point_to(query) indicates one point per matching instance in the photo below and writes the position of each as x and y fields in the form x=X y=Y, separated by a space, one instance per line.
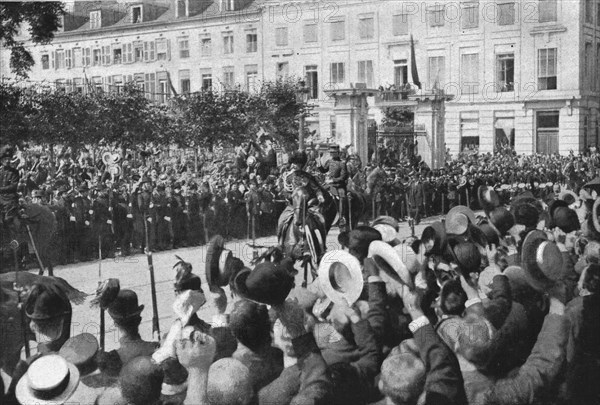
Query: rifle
x=155 y=324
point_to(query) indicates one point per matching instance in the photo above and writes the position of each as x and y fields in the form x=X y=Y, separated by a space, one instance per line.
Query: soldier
x=235 y=200
x=123 y=219
x=102 y=224
x=80 y=215
x=9 y=199
x=60 y=207
x=161 y=217
x=337 y=175
x=192 y=202
x=252 y=199
x=219 y=207
x=179 y=219
x=206 y=215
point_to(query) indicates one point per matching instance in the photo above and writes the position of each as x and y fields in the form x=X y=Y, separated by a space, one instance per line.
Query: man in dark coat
x=9 y=199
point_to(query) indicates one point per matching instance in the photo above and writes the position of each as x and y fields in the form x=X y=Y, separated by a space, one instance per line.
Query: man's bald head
x=402 y=378
x=229 y=383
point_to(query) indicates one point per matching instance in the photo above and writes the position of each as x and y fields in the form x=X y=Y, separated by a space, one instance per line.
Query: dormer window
x=228 y=5
x=95 y=19
x=182 y=8
x=136 y=14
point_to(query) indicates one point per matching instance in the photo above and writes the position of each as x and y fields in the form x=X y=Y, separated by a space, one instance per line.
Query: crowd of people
x=115 y=197
x=501 y=308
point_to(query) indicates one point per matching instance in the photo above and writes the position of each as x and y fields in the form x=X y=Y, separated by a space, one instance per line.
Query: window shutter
x=54 y=61
x=168 y=49
x=68 y=58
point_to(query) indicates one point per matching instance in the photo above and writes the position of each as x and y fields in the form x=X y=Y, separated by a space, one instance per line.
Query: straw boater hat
x=49 y=380
x=541 y=260
x=340 y=276
x=388 y=260
x=387 y=227
x=458 y=219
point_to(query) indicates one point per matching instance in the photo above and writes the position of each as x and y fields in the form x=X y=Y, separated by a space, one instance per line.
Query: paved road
x=133 y=274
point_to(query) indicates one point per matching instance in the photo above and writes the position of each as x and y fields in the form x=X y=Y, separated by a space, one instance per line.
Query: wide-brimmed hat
x=269 y=283
x=220 y=263
x=125 y=306
x=340 y=276
x=49 y=380
x=387 y=227
x=554 y=205
x=458 y=219
x=596 y=215
x=488 y=198
x=81 y=351
x=541 y=260
x=501 y=220
x=526 y=214
x=388 y=260
x=466 y=256
x=437 y=232
x=46 y=302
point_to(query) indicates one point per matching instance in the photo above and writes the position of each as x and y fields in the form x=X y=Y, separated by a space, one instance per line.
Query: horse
x=42 y=224
x=302 y=229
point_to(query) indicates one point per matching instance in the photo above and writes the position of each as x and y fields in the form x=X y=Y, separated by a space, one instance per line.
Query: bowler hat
x=221 y=265
x=554 y=205
x=466 y=255
x=340 y=276
x=541 y=260
x=488 y=199
x=125 y=306
x=46 y=302
x=569 y=196
x=526 y=214
x=81 y=351
x=269 y=283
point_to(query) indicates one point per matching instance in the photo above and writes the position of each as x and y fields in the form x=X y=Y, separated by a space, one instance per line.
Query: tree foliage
x=126 y=118
x=42 y=19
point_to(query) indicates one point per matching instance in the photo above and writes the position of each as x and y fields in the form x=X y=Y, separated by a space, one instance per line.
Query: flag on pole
x=413 y=64
x=171 y=84
x=87 y=82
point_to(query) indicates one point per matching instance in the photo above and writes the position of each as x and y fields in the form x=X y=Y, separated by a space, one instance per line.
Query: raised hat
x=221 y=265
x=360 y=238
x=596 y=215
x=81 y=351
x=269 y=283
x=541 y=260
x=488 y=199
x=456 y=222
x=49 y=380
x=340 y=277
x=569 y=196
x=437 y=233
x=501 y=220
x=46 y=302
x=388 y=260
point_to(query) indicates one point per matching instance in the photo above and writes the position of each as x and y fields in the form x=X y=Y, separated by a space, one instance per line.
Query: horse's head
x=300 y=203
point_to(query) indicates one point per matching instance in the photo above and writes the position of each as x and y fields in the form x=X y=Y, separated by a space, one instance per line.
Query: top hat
x=81 y=351
x=541 y=260
x=46 y=302
x=49 y=380
x=125 y=306
x=269 y=283
x=466 y=255
x=388 y=260
x=340 y=276
x=488 y=199
x=221 y=265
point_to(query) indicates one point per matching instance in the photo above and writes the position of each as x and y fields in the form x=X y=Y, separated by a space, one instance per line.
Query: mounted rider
x=337 y=176
x=297 y=177
x=9 y=197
